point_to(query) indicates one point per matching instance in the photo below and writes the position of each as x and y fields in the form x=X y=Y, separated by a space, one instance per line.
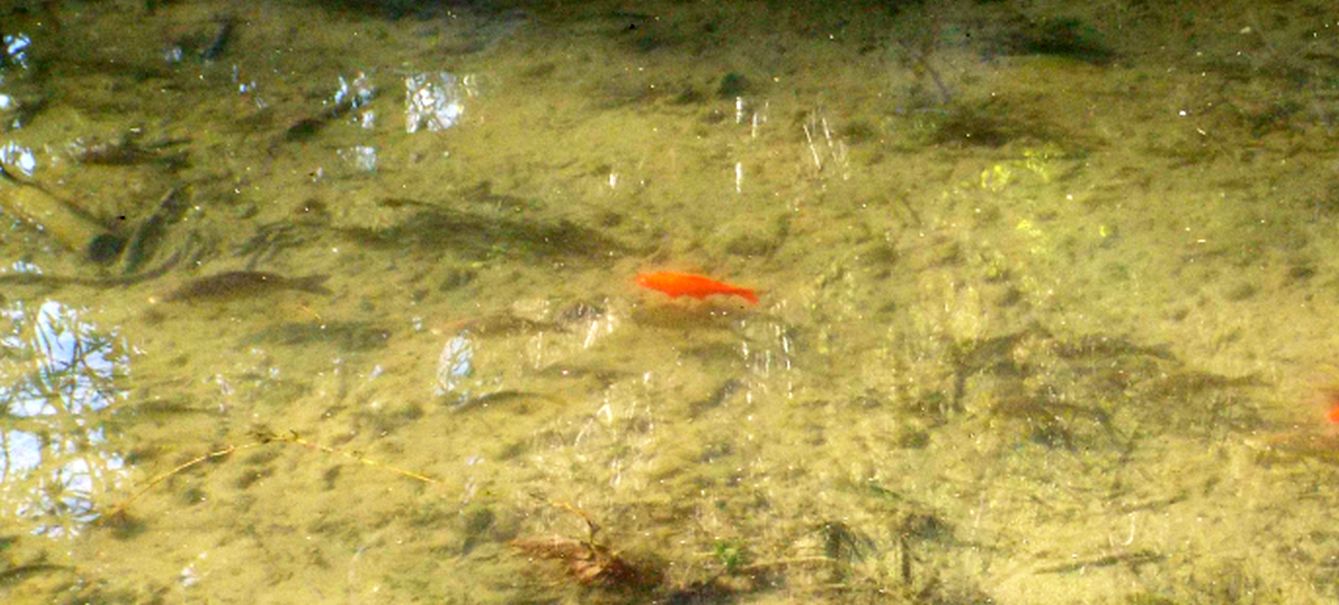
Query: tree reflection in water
x=58 y=377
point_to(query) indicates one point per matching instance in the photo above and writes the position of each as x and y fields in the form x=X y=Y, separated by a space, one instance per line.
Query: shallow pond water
x=335 y=302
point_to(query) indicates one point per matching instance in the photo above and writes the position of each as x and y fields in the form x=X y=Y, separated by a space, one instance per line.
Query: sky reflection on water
x=58 y=377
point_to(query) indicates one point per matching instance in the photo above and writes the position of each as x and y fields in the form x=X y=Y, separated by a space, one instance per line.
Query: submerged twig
x=293 y=438
x=761 y=565
x=263 y=438
x=119 y=509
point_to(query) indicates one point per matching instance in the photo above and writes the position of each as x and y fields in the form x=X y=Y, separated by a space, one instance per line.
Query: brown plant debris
x=589 y=563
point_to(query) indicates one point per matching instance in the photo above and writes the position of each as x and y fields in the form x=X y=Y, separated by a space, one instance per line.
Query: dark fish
x=127 y=151
x=147 y=235
x=234 y=284
x=220 y=42
x=307 y=127
x=464 y=402
x=346 y=335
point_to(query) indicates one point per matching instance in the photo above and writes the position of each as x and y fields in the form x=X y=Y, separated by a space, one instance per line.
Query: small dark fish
x=717 y=397
x=346 y=335
x=127 y=150
x=222 y=36
x=306 y=128
x=234 y=284
x=147 y=235
x=18 y=573
x=465 y=402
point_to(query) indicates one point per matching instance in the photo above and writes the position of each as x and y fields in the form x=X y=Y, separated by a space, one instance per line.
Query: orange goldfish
x=688 y=284
x=1330 y=396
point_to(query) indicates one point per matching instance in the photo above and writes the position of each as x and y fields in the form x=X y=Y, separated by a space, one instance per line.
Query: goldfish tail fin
x=748 y=295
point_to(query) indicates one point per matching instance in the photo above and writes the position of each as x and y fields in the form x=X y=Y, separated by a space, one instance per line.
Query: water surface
x=1047 y=300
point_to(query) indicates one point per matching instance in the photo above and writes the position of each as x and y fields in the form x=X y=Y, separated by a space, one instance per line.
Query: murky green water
x=1047 y=302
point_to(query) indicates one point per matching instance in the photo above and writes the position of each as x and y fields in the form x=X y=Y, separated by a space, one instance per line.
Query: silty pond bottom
x=314 y=301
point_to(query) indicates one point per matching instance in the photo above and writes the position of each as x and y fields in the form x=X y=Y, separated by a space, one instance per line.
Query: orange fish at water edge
x=1330 y=397
x=688 y=284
